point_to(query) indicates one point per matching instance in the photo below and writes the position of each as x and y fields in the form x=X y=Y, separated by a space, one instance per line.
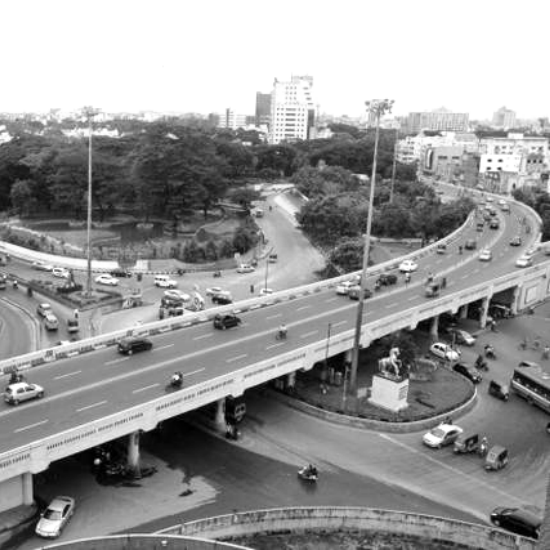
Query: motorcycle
x=490 y=352
x=176 y=381
x=308 y=474
x=15 y=378
x=481 y=364
x=280 y=335
x=377 y=285
x=217 y=273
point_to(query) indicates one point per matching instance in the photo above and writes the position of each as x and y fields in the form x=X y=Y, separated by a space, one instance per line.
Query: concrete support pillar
x=26 y=483
x=434 y=328
x=514 y=306
x=463 y=312
x=219 y=420
x=133 y=451
x=483 y=313
x=290 y=380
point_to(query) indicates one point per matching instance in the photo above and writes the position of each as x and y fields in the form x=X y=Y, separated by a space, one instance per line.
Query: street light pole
x=394 y=165
x=89 y=112
x=266 y=271
x=378 y=107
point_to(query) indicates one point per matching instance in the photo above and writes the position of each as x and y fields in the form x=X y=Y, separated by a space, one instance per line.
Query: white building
x=233 y=120
x=292 y=110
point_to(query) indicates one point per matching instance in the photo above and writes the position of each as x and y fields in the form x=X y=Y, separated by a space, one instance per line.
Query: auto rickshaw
x=496 y=458
x=466 y=443
x=498 y=390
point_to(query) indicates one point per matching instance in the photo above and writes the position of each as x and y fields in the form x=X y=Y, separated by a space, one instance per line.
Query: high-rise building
x=263 y=109
x=231 y=119
x=441 y=120
x=504 y=118
x=292 y=110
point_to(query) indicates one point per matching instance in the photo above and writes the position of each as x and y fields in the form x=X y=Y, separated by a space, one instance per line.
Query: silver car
x=55 y=517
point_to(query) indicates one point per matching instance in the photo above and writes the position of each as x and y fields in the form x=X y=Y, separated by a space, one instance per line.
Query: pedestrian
x=493 y=325
x=76 y=314
x=407 y=278
x=546 y=352
x=251 y=289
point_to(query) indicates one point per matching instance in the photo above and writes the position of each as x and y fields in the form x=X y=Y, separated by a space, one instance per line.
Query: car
x=355 y=291
x=524 y=261
x=54 y=518
x=387 y=279
x=41 y=266
x=494 y=224
x=502 y=202
x=106 y=279
x=61 y=272
x=408 y=266
x=245 y=268
x=442 y=435
x=164 y=281
x=470 y=244
x=343 y=287
x=43 y=309
x=515 y=241
x=522 y=521
x=469 y=372
x=505 y=207
x=489 y=199
x=176 y=295
x=211 y=291
x=120 y=273
x=22 y=391
x=50 y=321
x=222 y=299
x=266 y=291
x=72 y=326
x=485 y=255
x=134 y=344
x=461 y=336
x=445 y=351
x=227 y=320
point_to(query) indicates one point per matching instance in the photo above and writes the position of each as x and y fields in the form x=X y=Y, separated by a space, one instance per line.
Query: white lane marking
x=115 y=361
x=274 y=316
x=196 y=371
x=302 y=308
x=333 y=299
x=393 y=304
x=236 y=358
x=67 y=375
x=411 y=298
x=202 y=336
x=307 y=334
x=145 y=388
x=98 y=404
x=275 y=345
x=163 y=347
x=30 y=426
x=344 y=322
x=441 y=464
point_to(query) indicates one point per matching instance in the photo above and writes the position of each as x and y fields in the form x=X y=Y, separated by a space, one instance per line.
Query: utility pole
x=394 y=164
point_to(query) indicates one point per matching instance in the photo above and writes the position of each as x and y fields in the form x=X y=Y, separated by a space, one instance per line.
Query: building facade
x=263 y=109
x=438 y=120
x=504 y=118
x=292 y=110
x=232 y=120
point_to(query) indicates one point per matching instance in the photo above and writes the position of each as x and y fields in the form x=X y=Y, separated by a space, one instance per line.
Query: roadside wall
x=451 y=533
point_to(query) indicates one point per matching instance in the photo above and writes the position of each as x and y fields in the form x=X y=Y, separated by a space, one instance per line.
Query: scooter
x=176 y=381
x=307 y=475
x=490 y=352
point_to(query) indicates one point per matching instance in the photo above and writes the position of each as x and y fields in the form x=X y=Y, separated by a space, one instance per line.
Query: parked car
x=43 y=309
x=470 y=244
x=121 y=273
x=55 y=517
x=515 y=241
x=469 y=372
x=41 y=266
x=442 y=435
x=164 y=281
x=518 y=520
x=485 y=255
x=61 y=272
x=106 y=279
x=445 y=351
x=408 y=266
x=134 y=344
x=22 y=391
x=524 y=261
x=461 y=336
x=245 y=268
x=227 y=320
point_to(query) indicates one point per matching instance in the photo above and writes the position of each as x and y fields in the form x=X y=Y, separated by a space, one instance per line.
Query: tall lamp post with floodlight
x=89 y=113
x=378 y=108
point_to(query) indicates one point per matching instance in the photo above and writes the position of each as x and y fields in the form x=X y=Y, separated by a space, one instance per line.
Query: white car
x=210 y=291
x=485 y=255
x=177 y=295
x=43 y=309
x=489 y=199
x=61 y=272
x=22 y=391
x=442 y=435
x=245 y=268
x=164 y=281
x=408 y=266
x=42 y=266
x=343 y=288
x=445 y=351
x=106 y=279
x=55 y=517
x=524 y=261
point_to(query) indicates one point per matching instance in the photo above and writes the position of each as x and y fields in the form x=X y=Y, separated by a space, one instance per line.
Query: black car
x=494 y=224
x=131 y=345
x=221 y=299
x=386 y=279
x=120 y=273
x=517 y=520
x=469 y=372
x=470 y=244
x=226 y=320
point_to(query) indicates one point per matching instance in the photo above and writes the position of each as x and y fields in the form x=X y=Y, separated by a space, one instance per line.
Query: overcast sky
x=205 y=55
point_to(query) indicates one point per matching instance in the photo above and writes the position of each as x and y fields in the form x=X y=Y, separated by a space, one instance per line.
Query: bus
x=532 y=382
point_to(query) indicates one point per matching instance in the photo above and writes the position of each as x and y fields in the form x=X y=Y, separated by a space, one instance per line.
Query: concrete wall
x=401 y=524
x=11 y=493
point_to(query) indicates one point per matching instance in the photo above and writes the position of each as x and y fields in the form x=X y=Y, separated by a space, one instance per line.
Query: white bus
x=532 y=382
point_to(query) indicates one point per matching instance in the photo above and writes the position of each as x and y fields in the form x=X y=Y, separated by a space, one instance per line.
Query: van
x=164 y=281
x=51 y=322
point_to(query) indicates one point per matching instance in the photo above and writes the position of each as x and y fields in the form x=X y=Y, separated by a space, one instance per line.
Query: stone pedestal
x=389 y=394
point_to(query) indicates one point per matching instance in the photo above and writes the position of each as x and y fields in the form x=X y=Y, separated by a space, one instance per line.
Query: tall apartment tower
x=263 y=109
x=504 y=118
x=292 y=110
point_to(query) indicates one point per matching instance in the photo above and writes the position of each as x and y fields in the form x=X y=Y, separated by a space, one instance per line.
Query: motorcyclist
x=282 y=331
x=460 y=249
x=311 y=470
x=177 y=379
x=484 y=446
x=16 y=377
x=489 y=350
x=377 y=284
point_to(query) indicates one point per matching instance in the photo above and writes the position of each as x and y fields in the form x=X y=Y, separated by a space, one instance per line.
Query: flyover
x=94 y=396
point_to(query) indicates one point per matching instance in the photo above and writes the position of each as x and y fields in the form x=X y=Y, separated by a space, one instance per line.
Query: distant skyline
x=182 y=56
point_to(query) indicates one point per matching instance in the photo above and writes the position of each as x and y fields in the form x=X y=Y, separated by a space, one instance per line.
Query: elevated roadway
x=98 y=396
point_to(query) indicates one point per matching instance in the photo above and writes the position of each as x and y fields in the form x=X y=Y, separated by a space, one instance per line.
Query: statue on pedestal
x=392 y=367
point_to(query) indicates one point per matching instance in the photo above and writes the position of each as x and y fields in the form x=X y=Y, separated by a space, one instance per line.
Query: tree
x=276 y=157
x=244 y=196
x=21 y=197
x=348 y=255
